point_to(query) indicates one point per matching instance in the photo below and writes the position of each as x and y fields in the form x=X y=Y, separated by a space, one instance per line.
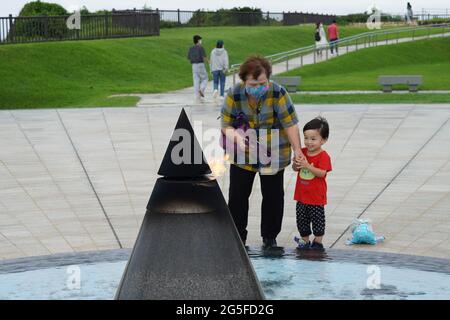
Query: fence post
x=46 y=28
x=107 y=24
x=301 y=60
x=179 y=19
x=11 y=31
x=234 y=78
x=268 y=18
x=314 y=55
x=387 y=41
x=398 y=36
x=287 y=63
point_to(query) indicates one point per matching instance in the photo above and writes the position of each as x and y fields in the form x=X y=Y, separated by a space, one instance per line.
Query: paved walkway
x=79 y=179
x=186 y=96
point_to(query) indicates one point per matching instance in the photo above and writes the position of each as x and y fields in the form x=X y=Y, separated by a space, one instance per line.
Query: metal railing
x=359 y=41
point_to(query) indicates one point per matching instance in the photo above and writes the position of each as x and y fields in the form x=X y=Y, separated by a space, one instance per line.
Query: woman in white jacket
x=219 y=65
x=321 y=38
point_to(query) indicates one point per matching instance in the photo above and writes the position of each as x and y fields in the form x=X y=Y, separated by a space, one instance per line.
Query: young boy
x=311 y=187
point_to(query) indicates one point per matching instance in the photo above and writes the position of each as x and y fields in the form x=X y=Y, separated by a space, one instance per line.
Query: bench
x=290 y=83
x=388 y=81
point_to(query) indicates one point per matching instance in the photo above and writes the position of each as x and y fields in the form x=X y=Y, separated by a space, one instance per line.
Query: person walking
x=219 y=64
x=198 y=58
x=409 y=13
x=321 y=39
x=333 y=36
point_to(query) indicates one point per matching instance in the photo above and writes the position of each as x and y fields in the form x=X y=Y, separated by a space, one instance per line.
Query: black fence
x=52 y=28
x=180 y=18
x=133 y=23
x=293 y=18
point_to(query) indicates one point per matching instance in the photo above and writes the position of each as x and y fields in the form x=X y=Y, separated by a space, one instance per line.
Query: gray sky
x=319 y=6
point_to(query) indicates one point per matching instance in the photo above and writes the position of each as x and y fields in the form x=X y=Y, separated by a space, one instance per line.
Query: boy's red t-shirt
x=310 y=189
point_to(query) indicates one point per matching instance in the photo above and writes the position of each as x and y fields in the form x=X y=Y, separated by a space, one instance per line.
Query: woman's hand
x=295 y=165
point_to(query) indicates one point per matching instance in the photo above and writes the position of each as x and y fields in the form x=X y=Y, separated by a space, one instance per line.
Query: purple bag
x=241 y=122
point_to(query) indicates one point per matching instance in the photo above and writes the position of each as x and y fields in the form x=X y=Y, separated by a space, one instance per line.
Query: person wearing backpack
x=321 y=39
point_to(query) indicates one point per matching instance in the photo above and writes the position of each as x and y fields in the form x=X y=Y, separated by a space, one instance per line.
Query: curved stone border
x=63 y=259
x=421 y=263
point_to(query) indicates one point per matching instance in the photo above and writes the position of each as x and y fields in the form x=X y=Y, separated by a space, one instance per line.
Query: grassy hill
x=85 y=73
x=360 y=70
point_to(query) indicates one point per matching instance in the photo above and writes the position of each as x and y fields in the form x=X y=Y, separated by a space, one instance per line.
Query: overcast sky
x=319 y=6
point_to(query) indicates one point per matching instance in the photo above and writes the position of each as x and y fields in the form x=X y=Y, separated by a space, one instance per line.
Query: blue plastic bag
x=362 y=233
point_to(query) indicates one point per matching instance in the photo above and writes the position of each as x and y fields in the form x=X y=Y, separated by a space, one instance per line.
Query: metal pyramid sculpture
x=188 y=155
x=188 y=246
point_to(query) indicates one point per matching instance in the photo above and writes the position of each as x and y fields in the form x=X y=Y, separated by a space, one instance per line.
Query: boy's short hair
x=196 y=38
x=320 y=124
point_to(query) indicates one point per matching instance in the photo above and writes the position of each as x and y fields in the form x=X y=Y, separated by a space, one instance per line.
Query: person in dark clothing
x=197 y=57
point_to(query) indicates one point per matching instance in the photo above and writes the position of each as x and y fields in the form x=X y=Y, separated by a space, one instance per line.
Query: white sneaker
x=215 y=94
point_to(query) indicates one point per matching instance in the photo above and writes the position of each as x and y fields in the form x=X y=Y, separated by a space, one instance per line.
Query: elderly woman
x=259 y=124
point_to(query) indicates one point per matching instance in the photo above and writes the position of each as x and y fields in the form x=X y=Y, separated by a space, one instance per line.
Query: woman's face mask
x=257 y=92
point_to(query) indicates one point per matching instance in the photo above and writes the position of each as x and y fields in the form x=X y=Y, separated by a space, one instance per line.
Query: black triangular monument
x=188 y=246
x=190 y=161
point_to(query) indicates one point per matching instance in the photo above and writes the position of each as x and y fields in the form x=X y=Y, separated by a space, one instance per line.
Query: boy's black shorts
x=308 y=215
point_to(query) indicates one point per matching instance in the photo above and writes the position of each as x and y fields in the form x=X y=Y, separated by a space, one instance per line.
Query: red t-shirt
x=333 y=32
x=310 y=189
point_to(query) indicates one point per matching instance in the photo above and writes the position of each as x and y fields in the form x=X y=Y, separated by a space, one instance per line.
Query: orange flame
x=218 y=166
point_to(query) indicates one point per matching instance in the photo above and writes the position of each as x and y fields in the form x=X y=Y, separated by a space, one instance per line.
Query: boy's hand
x=303 y=163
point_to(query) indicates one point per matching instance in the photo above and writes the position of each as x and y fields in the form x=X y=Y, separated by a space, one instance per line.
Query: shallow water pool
x=283 y=274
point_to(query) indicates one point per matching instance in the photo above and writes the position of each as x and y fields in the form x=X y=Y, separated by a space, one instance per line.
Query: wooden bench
x=290 y=83
x=388 y=81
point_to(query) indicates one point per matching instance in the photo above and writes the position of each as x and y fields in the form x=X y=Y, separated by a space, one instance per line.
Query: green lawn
x=85 y=73
x=360 y=70
x=370 y=98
